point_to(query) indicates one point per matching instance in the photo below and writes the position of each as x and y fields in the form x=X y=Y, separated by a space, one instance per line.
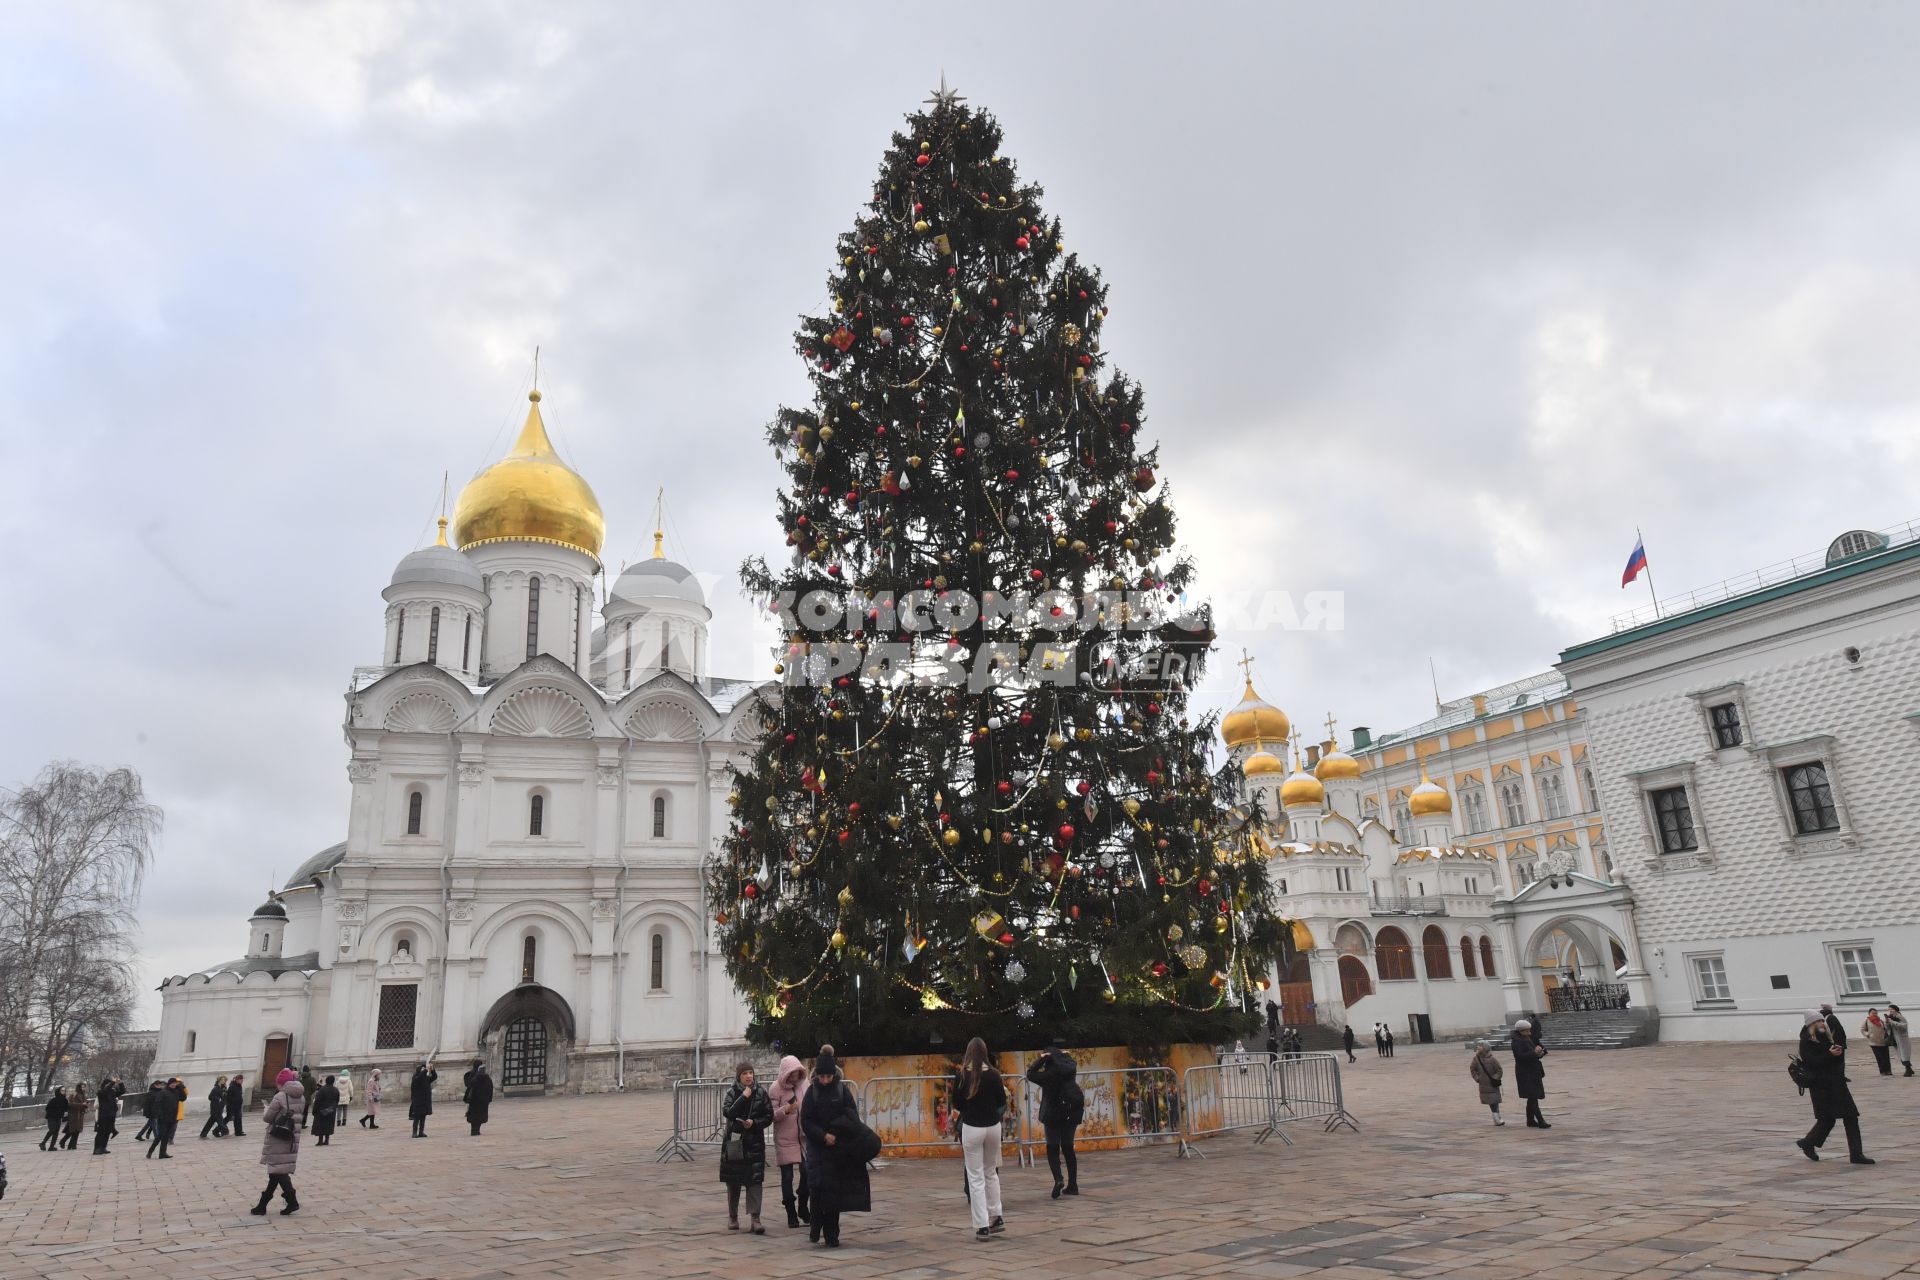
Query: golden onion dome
x=1301 y=787
x=530 y=496
x=1262 y=763
x=1254 y=720
x=1336 y=765
x=1302 y=936
x=1428 y=799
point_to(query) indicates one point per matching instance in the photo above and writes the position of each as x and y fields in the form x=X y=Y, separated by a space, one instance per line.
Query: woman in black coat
x=325 y=1109
x=1529 y=1073
x=421 y=1091
x=479 y=1097
x=56 y=1116
x=1824 y=1062
x=836 y=1179
x=749 y=1115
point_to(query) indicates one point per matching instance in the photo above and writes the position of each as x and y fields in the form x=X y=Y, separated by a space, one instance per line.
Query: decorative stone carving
x=421 y=713
x=461 y=912
x=663 y=721
x=472 y=771
x=609 y=775
x=603 y=907
x=543 y=712
x=1830 y=844
x=1556 y=864
x=353 y=910
x=360 y=770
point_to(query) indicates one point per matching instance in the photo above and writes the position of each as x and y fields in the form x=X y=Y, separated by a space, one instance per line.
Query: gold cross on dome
x=1331 y=736
x=1246 y=665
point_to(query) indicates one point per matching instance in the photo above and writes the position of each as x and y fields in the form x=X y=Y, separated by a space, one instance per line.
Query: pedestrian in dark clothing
x=280 y=1148
x=788 y=1092
x=216 y=1110
x=836 y=1165
x=1529 y=1073
x=311 y=1086
x=980 y=1100
x=1834 y=1029
x=1062 y=1106
x=112 y=1085
x=236 y=1105
x=1823 y=1062
x=150 y=1107
x=325 y=1110
x=1346 y=1038
x=420 y=1105
x=172 y=1104
x=76 y=1118
x=748 y=1112
x=1379 y=1040
x=56 y=1116
x=103 y=1123
x=479 y=1097
x=1389 y=1032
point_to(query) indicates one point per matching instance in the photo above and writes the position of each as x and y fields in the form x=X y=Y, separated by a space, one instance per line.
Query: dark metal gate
x=525 y=1053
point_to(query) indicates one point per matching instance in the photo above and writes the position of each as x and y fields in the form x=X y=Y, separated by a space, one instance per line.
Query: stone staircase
x=1600 y=1029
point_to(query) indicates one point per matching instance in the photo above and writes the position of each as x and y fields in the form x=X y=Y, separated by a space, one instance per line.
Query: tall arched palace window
x=1393 y=955
x=1466 y=959
x=1437 y=956
x=433 y=635
x=657 y=962
x=416 y=800
x=1486 y=956
x=537 y=815
x=529 y=953
x=659 y=817
x=533 y=615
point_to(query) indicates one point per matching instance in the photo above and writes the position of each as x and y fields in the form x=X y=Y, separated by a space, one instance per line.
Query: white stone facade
x=1759 y=919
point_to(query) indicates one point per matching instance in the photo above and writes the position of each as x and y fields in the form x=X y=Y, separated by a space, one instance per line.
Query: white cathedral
x=534 y=793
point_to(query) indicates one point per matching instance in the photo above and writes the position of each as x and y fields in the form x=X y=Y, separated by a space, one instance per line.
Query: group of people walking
x=164 y=1105
x=823 y=1147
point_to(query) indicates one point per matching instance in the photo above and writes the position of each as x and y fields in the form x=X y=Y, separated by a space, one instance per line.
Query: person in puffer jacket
x=789 y=1090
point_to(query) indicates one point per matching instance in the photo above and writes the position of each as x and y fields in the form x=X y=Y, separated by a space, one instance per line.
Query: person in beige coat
x=280 y=1149
x=1875 y=1030
x=1902 y=1040
x=1488 y=1074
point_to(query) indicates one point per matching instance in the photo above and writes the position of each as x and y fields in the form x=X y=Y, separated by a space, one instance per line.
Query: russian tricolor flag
x=1635 y=563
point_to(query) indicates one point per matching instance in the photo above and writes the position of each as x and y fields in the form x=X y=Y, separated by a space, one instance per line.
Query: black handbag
x=734 y=1149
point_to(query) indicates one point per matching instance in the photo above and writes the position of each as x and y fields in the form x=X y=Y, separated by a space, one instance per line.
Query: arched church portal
x=1575 y=962
x=527 y=1037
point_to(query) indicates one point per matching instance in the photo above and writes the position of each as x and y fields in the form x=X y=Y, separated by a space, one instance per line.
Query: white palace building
x=533 y=792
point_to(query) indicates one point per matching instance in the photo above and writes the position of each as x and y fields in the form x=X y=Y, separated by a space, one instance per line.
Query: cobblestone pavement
x=1664 y=1161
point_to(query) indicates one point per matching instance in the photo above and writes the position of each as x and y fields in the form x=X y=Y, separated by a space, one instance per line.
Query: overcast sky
x=1432 y=304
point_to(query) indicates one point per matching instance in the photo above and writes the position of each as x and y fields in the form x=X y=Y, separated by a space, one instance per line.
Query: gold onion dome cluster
x=530 y=496
x=1253 y=721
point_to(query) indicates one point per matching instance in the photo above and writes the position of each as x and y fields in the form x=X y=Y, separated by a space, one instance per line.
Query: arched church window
x=433 y=635
x=659 y=817
x=1437 y=956
x=399 y=631
x=1466 y=958
x=533 y=615
x=528 y=954
x=579 y=608
x=626 y=662
x=1486 y=956
x=657 y=962
x=466 y=647
x=1393 y=955
x=416 y=800
x=536 y=814
x=403 y=950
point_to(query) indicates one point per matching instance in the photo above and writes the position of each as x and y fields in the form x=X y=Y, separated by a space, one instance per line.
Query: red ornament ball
x=923 y=160
x=752 y=890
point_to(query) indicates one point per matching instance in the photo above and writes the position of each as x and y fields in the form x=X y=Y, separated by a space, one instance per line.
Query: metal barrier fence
x=1307 y=1086
x=1122 y=1103
x=1229 y=1097
x=1244 y=1091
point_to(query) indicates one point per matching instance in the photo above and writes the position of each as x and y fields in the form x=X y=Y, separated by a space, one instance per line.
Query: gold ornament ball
x=921 y=225
x=838 y=940
x=950 y=837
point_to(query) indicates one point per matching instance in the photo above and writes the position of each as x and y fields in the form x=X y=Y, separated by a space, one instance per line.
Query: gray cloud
x=1432 y=307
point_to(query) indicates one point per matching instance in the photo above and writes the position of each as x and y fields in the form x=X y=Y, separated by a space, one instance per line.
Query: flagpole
x=1646 y=569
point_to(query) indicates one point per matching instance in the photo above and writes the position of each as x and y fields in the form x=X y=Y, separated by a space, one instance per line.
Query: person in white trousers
x=979 y=1107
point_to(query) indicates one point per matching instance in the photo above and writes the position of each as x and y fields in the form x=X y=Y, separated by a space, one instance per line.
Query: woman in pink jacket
x=788 y=1090
x=371 y=1120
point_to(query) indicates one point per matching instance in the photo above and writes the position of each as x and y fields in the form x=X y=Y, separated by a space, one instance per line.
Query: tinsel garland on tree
x=1006 y=824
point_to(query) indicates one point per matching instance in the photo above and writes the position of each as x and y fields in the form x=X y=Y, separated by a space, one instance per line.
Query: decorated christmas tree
x=979 y=805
